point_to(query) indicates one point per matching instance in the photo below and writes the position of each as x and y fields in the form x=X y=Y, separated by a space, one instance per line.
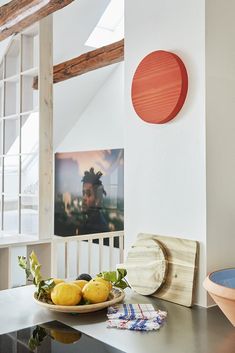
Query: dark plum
x=84 y=276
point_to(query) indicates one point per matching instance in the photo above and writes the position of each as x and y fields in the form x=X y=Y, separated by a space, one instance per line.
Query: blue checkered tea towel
x=137 y=317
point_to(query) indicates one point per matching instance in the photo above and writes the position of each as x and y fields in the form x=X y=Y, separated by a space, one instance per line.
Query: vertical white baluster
x=101 y=251
x=78 y=257
x=89 y=254
x=54 y=264
x=66 y=259
x=110 y=252
x=100 y=254
x=121 y=247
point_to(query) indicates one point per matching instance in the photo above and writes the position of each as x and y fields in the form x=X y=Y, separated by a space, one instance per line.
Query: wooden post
x=45 y=129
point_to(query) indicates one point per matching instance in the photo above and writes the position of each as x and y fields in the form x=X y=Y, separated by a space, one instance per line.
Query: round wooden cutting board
x=146 y=266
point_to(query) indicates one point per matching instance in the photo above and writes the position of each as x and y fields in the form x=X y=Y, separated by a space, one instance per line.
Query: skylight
x=110 y=27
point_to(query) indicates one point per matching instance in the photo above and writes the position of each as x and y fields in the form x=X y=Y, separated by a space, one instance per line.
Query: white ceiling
x=72 y=27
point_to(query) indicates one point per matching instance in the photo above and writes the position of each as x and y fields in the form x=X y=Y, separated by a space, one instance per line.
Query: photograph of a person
x=89 y=192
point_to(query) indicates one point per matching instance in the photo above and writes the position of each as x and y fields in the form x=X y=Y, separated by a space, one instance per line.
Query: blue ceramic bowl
x=221 y=287
x=225 y=278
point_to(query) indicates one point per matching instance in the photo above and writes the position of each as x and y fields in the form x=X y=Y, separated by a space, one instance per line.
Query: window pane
x=10 y=215
x=0 y=176
x=30 y=47
x=1 y=204
x=13 y=58
x=1 y=137
x=29 y=215
x=12 y=98
x=1 y=193
x=11 y=133
x=29 y=174
x=1 y=90
x=11 y=175
x=1 y=71
x=29 y=95
x=29 y=133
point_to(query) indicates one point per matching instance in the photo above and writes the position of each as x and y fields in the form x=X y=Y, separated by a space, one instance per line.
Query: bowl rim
x=221 y=270
x=118 y=295
x=219 y=289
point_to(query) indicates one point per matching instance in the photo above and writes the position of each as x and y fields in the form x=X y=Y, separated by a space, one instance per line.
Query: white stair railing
x=91 y=253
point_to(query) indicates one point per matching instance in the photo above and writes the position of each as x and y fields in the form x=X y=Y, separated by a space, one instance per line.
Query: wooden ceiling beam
x=17 y=15
x=95 y=59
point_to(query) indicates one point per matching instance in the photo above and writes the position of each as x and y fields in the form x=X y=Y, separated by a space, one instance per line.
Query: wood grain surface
x=17 y=15
x=182 y=257
x=146 y=266
x=159 y=87
x=92 y=60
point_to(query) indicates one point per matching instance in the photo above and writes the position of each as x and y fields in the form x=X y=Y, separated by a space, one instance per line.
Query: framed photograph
x=89 y=192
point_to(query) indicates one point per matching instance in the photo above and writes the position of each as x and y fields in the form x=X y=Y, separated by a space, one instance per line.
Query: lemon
x=65 y=336
x=95 y=292
x=58 y=280
x=66 y=294
x=80 y=283
x=102 y=280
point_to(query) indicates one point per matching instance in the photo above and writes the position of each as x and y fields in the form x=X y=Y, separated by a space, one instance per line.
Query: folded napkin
x=137 y=317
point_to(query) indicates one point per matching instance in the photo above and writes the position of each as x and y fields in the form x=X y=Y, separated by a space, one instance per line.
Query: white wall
x=220 y=112
x=179 y=176
x=165 y=184
x=100 y=126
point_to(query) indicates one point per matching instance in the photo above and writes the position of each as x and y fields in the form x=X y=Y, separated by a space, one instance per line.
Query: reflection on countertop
x=186 y=330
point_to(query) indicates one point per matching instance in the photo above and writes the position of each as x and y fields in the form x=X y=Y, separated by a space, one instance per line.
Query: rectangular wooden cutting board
x=182 y=257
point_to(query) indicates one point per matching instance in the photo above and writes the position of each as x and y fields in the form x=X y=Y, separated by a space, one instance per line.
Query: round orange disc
x=159 y=87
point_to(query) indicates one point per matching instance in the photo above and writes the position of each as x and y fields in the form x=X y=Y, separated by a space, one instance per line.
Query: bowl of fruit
x=81 y=295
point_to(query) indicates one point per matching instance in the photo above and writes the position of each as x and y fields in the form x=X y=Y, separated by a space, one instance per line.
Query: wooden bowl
x=116 y=295
x=221 y=287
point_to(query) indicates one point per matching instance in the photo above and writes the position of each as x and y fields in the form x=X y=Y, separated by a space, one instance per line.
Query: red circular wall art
x=159 y=87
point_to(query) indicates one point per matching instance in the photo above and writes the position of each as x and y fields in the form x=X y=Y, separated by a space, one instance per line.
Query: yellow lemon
x=102 y=280
x=65 y=336
x=58 y=280
x=66 y=294
x=95 y=292
x=80 y=283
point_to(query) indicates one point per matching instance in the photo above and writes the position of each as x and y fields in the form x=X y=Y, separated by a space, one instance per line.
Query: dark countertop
x=187 y=330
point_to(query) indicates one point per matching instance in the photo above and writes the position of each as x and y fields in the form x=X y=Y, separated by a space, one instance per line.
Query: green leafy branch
x=33 y=274
x=22 y=262
x=37 y=337
x=117 y=278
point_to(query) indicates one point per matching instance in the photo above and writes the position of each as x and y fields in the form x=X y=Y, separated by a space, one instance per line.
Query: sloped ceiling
x=71 y=98
x=72 y=27
x=4 y=43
